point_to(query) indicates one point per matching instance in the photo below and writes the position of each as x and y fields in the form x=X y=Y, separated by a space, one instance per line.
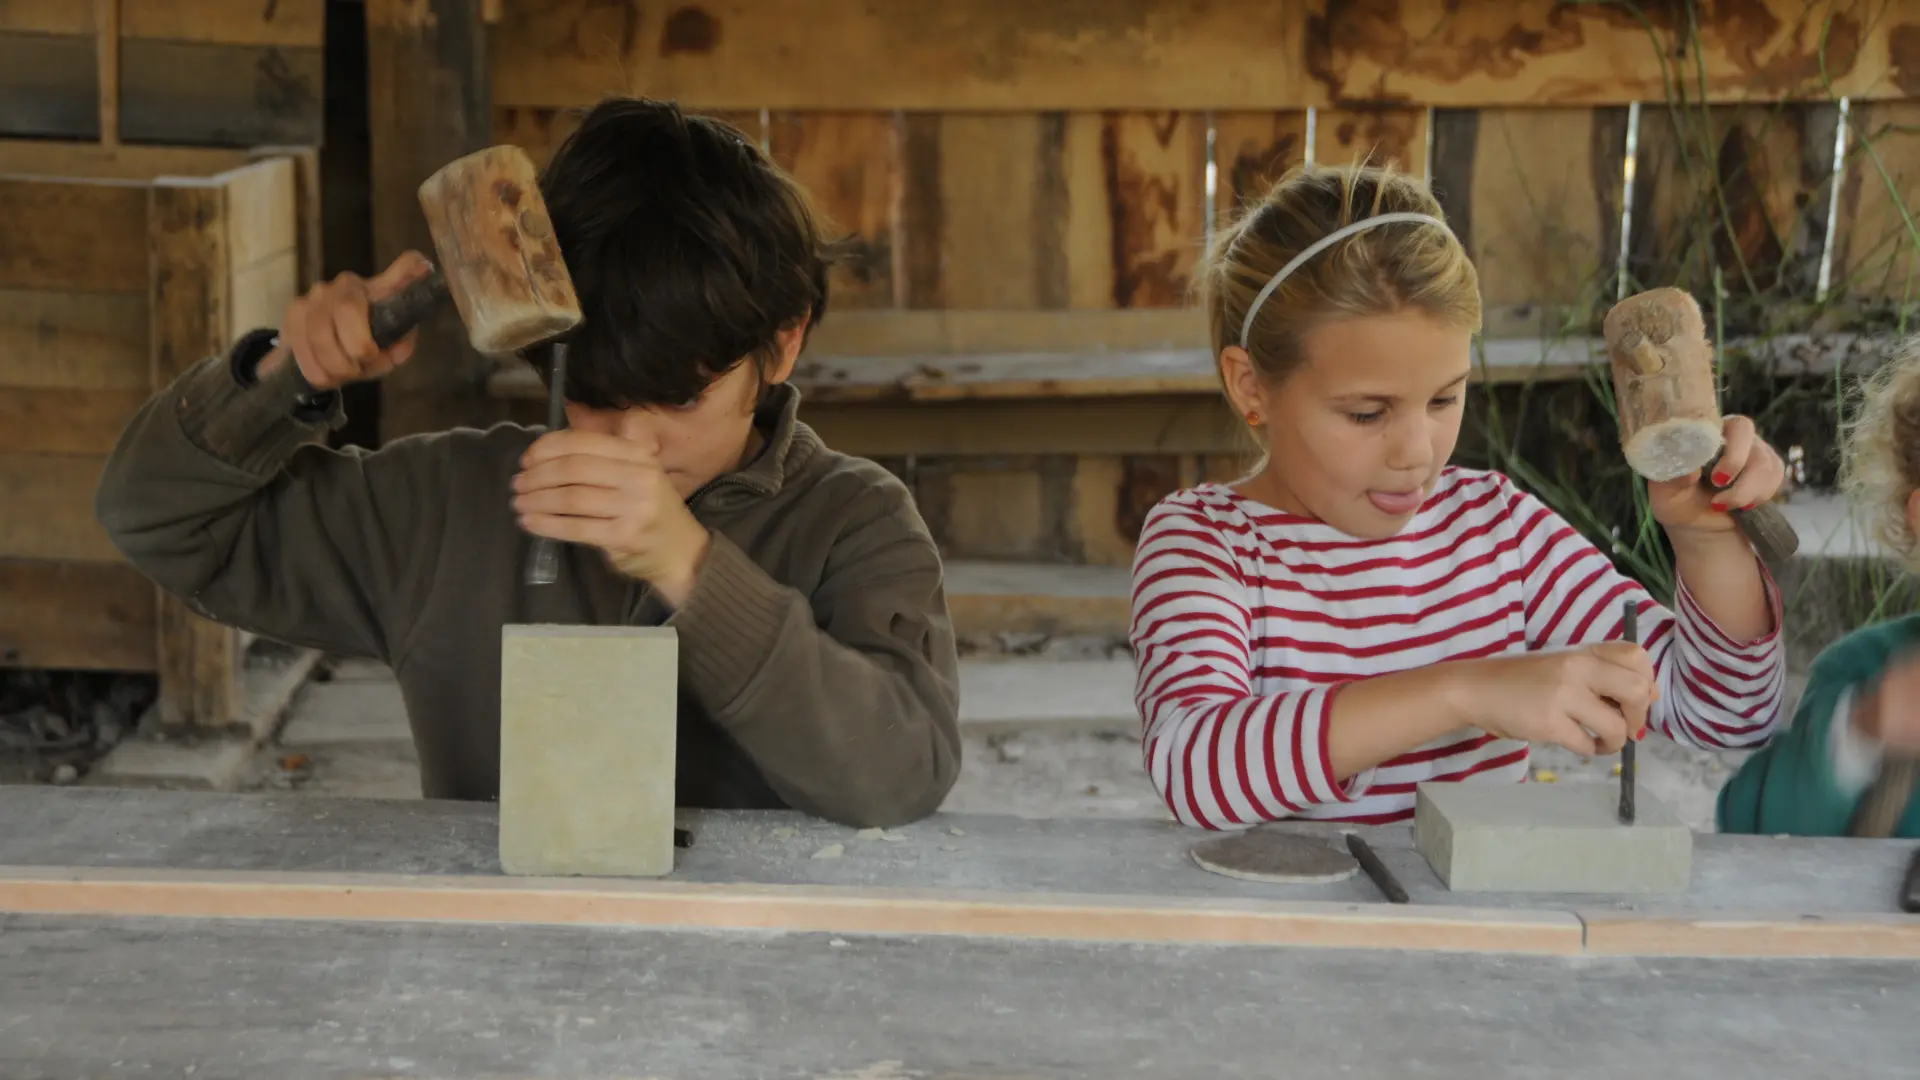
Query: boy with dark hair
x=818 y=666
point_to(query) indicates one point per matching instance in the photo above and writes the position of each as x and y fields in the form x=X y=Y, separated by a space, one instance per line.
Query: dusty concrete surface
x=1043 y=738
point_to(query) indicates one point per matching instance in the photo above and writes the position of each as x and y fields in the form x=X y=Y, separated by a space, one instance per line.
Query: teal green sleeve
x=1788 y=786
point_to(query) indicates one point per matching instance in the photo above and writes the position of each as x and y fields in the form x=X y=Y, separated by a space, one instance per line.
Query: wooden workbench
x=145 y=932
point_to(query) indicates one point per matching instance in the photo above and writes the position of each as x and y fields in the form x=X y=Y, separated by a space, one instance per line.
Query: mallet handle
x=1771 y=534
x=393 y=317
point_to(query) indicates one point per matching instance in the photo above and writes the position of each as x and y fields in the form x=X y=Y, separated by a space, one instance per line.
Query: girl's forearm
x=1723 y=575
x=1378 y=719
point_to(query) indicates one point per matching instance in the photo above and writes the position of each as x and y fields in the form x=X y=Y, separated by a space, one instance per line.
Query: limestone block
x=587 y=744
x=1550 y=838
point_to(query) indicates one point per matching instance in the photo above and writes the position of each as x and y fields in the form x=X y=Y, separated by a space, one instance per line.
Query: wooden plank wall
x=205 y=72
x=1014 y=180
x=108 y=288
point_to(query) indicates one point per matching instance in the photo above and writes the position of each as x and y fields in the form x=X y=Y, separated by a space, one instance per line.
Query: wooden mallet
x=501 y=265
x=1670 y=423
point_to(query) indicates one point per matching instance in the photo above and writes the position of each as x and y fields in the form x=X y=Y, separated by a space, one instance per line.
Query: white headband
x=1316 y=248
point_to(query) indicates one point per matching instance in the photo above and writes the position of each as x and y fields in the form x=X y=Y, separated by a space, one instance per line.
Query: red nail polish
x=1721 y=479
x=1641 y=735
x=1719 y=507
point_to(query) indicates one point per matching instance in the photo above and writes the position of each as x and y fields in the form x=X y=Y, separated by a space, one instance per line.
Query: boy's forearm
x=1724 y=577
x=863 y=731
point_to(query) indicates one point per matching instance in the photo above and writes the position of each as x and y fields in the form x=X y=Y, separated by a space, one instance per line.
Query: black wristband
x=243 y=362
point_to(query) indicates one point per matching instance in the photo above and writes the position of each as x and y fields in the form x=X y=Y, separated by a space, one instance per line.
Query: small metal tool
x=1376 y=869
x=543 y=562
x=1630 y=616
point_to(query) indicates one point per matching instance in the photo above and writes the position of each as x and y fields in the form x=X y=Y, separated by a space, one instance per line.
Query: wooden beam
x=45 y=157
x=1007 y=55
x=428 y=73
x=790 y=908
x=70 y=234
x=1867 y=936
x=191 y=311
x=58 y=614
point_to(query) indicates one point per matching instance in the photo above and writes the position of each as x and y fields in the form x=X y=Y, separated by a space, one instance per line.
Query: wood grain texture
x=1253 y=150
x=1136 y=185
x=49 y=501
x=76 y=615
x=1237 y=54
x=192 y=314
x=428 y=81
x=231 y=22
x=73 y=235
x=38 y=420
x=1372 y=136
x=850 y=164
x=976 y=223
x=49 y=84
x=1723 y=187
x=1877 y=236
x=74 y=340
x=260 y=294
x=191 y=92
x=106 y=42
x=838 y=55
x=1867 y=936
x=806 y=909
x=263 y=215
x=1535 y=196
x=45 y=157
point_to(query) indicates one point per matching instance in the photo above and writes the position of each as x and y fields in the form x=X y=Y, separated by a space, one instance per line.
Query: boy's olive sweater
x=818 y=667
x=1799 y=783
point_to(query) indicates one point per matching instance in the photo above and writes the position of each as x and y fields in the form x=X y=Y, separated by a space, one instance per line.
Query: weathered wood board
x=1243 y=54
x=301 y=998
x=1877 y=241
x=299 y=1001
x=211 y=72
x=1535 y=196
x=76 y=615
x=1088 y=857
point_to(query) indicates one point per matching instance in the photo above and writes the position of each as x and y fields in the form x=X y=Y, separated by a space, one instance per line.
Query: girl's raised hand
x=1750 y=471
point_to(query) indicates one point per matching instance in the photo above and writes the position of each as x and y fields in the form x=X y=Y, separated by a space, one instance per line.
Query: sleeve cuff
x=730 y=625
x=252 y=427
x=1853 y=759
x=1357 y=784
x=1710 y=632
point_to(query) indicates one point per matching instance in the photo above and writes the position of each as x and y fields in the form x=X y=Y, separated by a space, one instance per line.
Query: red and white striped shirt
x=1248 y=620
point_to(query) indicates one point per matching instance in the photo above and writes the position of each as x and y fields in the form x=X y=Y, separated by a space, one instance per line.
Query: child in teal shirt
x=1862 y=702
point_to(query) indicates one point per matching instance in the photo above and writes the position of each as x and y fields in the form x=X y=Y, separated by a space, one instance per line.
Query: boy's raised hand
x=1750 y=470
x=586 y=487
x=1589 y=699
x=1890 y=714
x=330 y=333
